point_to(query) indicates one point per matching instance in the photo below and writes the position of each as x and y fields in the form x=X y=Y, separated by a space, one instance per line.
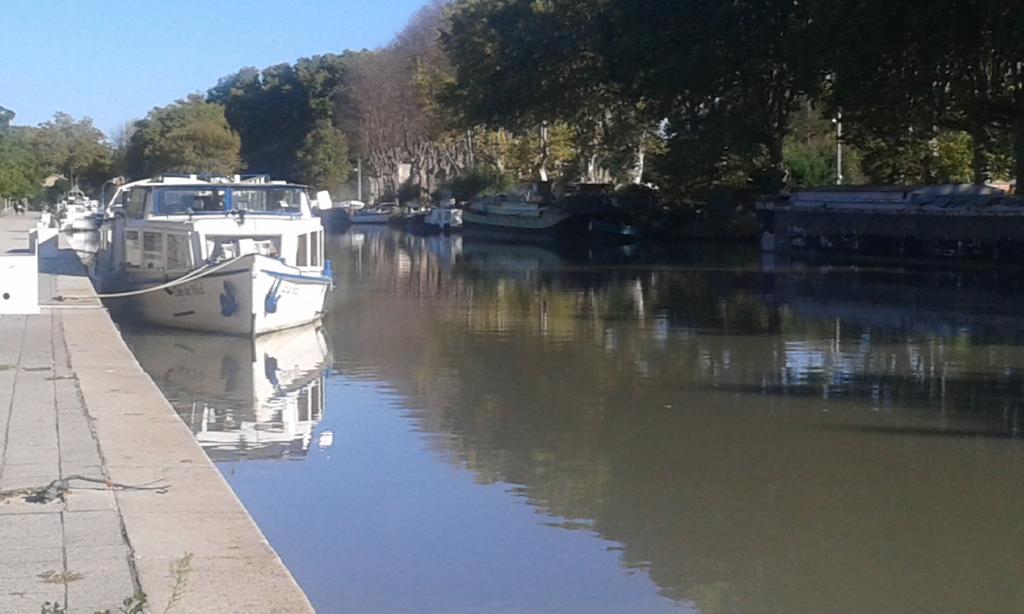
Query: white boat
x=444 y=219
x=77 y=211
x=377 y=214
x=227 y=255
x=243 y=398
x=350 y=205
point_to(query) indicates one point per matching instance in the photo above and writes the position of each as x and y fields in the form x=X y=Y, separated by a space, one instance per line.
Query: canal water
x=513 y=428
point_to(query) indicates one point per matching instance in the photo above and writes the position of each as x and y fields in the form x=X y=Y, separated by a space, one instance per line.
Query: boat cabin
x=165 y=227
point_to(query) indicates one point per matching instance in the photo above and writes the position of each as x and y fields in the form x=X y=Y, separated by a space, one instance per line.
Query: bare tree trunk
x=776 y=166
x=638 y=164
x=980 y=146
x=545 y=153
x=592 y=168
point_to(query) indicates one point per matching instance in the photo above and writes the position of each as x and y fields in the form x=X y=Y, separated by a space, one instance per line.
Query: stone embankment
x=74 y=402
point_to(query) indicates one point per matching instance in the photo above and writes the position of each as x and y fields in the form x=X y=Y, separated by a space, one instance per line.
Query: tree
x=76 y=149
x=275 y=110
x=397 y=124
x=20 y=171
x=323 y=159
x=521 y=65
x=889 y=81
x=189 y=136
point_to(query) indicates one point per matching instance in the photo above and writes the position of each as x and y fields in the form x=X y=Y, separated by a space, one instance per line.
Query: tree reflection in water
x=795 y=441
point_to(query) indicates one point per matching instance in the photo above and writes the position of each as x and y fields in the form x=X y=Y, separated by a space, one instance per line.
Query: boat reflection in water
x=242 y=398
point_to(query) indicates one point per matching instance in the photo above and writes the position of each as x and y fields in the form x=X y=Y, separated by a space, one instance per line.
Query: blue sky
x=113 y=60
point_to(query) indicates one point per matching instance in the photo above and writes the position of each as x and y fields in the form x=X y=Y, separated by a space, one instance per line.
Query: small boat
x=77 y=212
x=350 y=205
x=444 y=219
x=377 y=214
x=229 y=255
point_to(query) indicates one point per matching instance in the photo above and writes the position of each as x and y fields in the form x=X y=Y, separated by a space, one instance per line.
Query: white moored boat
x=444 y=219
x=77 y=211
x=218 y=254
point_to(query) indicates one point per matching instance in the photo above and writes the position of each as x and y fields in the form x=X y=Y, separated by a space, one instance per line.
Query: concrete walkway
x=73 y=401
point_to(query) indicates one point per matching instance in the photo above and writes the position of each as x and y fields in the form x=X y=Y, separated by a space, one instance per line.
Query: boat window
x=301 y=255
x=135 y=203
x=186 y=201
x=279 y=200
x=222 y=248
x=152 y=250
x=304 y=405
x=132 y=248
x=314 y=249
x=316 y=390
x=178 y=254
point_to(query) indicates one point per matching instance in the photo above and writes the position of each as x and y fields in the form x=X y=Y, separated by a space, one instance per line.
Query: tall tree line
x=721 y=82
x=44 y=160
x=684 y=94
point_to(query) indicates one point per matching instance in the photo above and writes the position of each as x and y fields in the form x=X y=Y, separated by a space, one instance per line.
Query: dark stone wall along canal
x=482 y=427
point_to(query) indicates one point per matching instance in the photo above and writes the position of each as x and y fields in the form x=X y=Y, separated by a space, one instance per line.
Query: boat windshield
x=271 y=200
x=189 y=200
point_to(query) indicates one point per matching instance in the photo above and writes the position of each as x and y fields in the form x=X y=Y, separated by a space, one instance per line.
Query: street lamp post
x=838 y=121
x=103 y=189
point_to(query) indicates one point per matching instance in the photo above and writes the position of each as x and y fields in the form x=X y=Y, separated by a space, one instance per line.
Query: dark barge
x=933 y=222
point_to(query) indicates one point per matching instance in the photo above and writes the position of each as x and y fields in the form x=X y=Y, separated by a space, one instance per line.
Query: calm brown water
x=506 y=428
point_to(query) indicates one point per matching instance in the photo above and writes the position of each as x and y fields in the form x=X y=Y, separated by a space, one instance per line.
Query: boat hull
x=251 y=296
x=371 y=218
x=84 y=224
x=547 y=225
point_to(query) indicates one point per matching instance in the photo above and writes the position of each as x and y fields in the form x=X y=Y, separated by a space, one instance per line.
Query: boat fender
x=270 y=302
x=228 y=302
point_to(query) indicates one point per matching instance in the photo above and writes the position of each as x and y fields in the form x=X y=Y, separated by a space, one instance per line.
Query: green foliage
x=888 y=83
x=75 y=149
x=943 y=159
x=519 y=65
x=323 y=159
x=189 y=136
x=6 y=117
x=136 y=604
x=729 y=78
x=181 y=571
x=809 y=166
x=20 y=170
x=275 y=111
x=478 y=180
